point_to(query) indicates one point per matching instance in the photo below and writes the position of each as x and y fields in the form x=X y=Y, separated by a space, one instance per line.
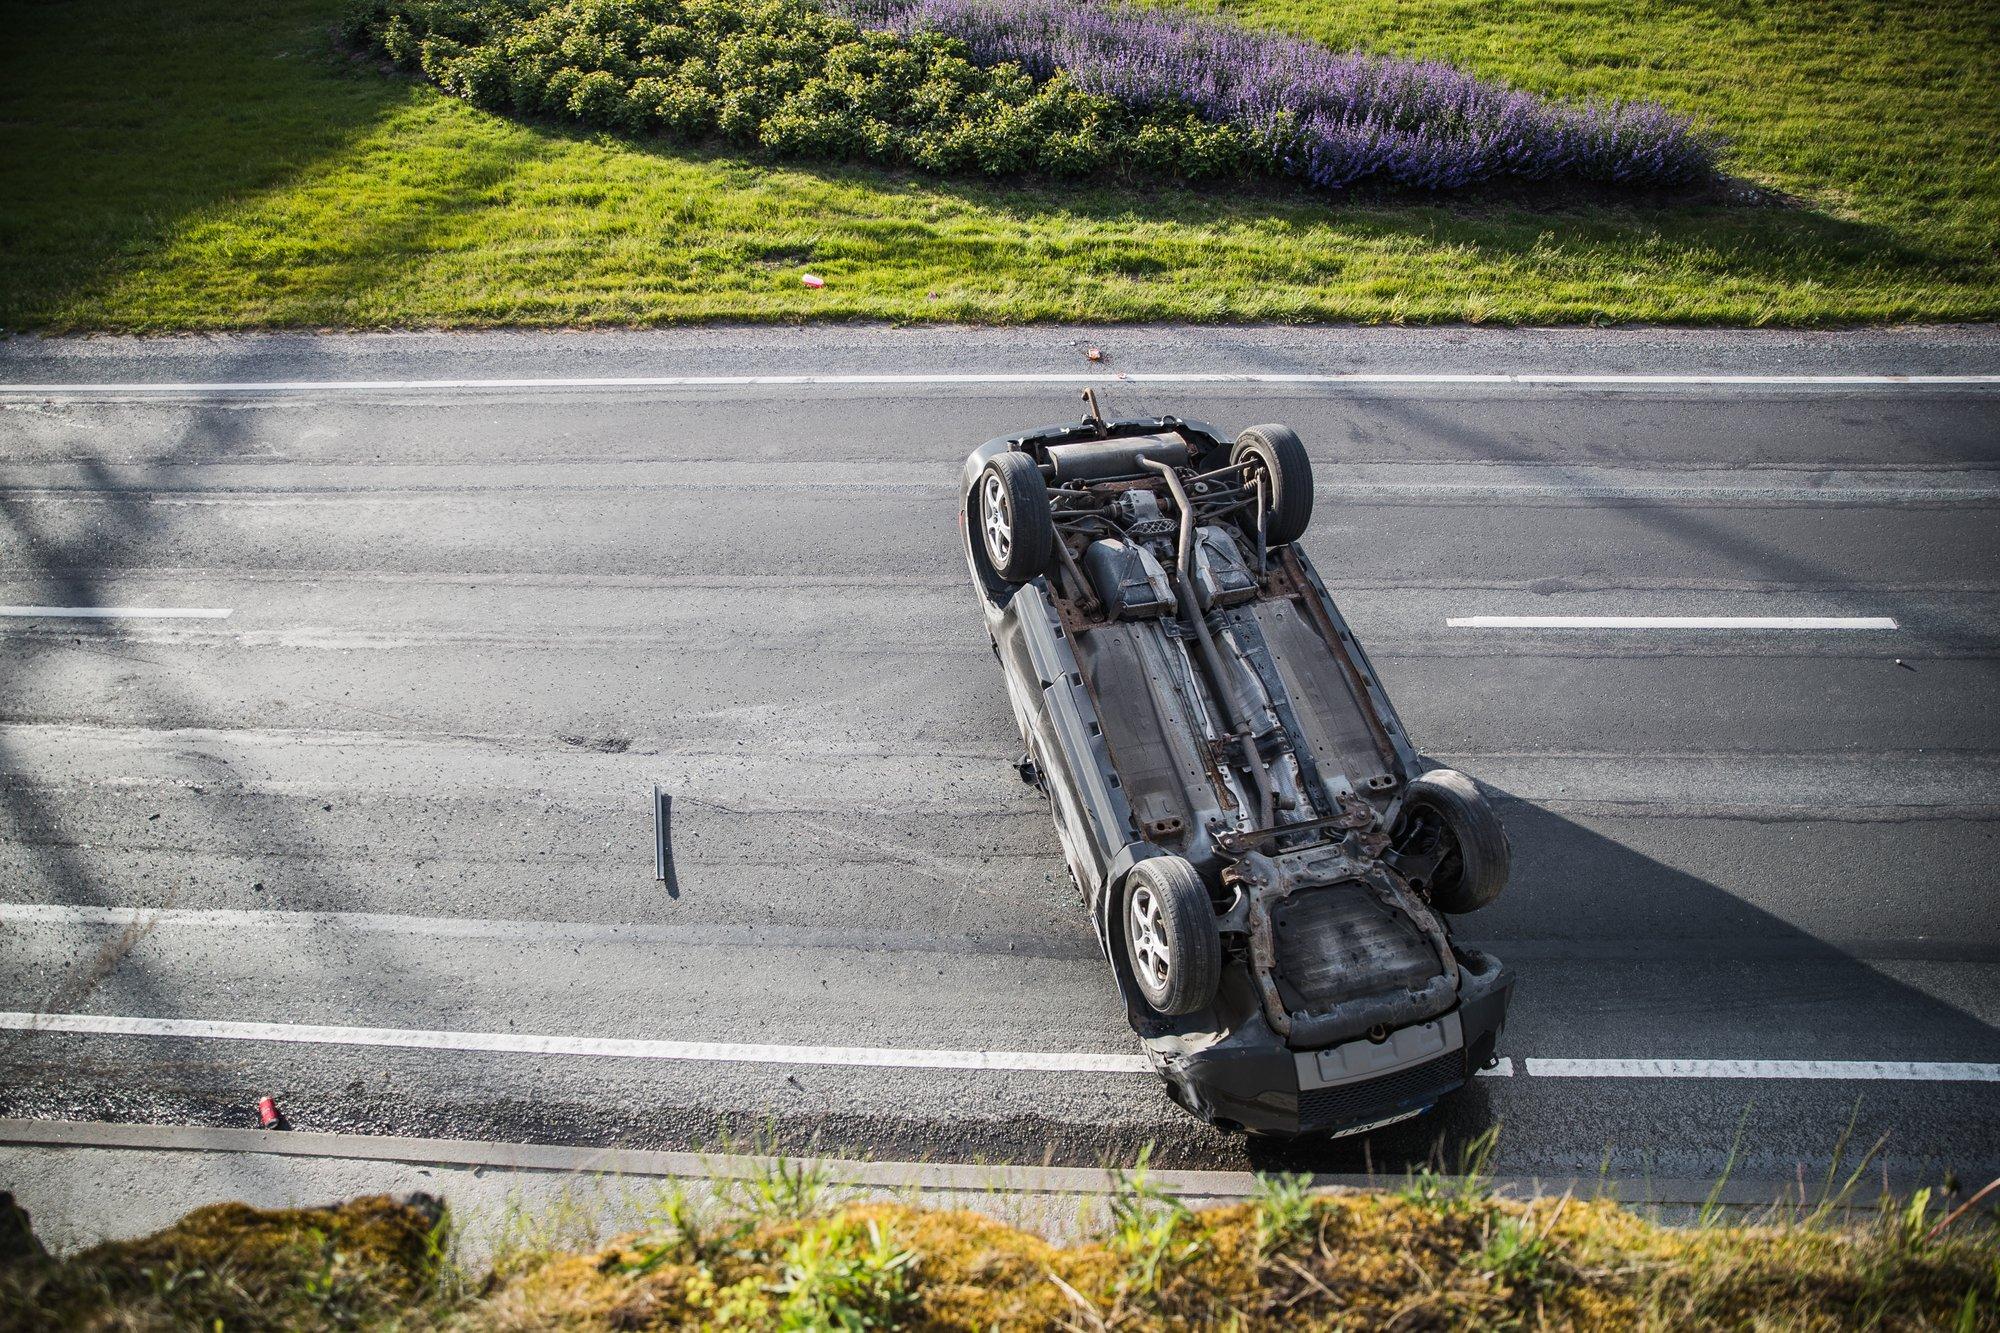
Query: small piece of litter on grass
x=813 y=280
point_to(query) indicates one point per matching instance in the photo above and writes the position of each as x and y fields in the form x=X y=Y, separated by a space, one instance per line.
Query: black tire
x=1171 y=941
x=1277 y=452
x=1476 y=856
x=1011 y=509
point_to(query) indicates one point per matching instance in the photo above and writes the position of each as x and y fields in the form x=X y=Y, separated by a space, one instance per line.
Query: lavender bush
x=1332 y=118
x=1063 y=88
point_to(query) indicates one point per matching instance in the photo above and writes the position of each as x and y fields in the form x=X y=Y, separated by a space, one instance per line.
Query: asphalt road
x=404 y=784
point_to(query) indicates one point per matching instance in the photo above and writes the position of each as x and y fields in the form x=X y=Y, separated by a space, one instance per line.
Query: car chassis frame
x=1138 y=727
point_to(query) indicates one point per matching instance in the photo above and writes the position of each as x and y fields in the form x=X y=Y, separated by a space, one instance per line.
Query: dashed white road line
x=889 y=1057
x=116 y=612
x=1671 y=622
x=1908 y=1071
x=994 y=377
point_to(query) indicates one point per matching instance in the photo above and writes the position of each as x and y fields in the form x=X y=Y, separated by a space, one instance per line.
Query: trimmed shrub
x=1002 y=87
x=787 y=77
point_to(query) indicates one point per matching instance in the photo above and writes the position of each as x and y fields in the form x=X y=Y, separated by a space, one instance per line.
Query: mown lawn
x=207 y=164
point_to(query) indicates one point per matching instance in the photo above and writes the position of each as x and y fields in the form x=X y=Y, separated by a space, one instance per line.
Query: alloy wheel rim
x=999 y=527
x=1149 y=941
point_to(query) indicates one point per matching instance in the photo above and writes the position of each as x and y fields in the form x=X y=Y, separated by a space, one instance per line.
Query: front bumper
x=1253 y=1082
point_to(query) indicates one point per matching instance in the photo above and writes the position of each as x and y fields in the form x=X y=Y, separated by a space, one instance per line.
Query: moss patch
x=1348 y=1261
x=365 y=1263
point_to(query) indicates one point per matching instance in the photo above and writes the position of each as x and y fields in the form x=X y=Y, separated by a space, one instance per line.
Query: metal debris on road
x=663 y=856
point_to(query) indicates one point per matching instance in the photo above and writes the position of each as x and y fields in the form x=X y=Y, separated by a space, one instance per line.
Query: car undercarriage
x=1267 y=862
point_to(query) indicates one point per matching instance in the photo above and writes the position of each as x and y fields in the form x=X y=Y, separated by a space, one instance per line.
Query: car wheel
x=1474 y=856
x=1275 y=453
x=1170 y=936
x=1014 y=518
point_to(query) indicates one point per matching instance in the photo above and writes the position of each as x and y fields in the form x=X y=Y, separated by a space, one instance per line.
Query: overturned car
x=1265 y=860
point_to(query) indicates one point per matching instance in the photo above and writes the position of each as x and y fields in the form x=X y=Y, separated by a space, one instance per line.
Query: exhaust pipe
x=1225 y=684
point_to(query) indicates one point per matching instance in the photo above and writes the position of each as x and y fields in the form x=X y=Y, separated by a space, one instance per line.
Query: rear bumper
x=1253 y=1082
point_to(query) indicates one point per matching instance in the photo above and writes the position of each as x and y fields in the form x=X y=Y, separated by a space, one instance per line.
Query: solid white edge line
x=882 y=1057
x=1671 y=622
x=117 y=612
x=1914 y=1071
x=381 y=923
x=1029 y=377
x=232 y=919
x=523 y=1043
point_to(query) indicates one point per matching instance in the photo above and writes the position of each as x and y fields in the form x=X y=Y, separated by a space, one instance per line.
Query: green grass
x=209 y=164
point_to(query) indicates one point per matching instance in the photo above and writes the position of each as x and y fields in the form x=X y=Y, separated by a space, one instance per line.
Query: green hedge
x=786 y=77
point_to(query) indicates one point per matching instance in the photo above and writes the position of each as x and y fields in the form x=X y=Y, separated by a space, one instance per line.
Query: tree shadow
x=1692 y=236
x=64 y=566
x=125 y=124
x=74 y=547
x=1686 y=526
x=129 y=132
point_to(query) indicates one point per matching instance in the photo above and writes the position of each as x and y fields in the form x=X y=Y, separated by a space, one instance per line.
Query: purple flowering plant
x=1065 y=88
x=1333 y=118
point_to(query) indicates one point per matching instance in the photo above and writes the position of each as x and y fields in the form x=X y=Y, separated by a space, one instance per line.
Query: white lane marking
x=1914 y=1071
x=230 y=920
x=524 y=1043
x=117 y=612
x=890 y=1057
x=233 y=919
x=1029 y=377
x=1671 y=622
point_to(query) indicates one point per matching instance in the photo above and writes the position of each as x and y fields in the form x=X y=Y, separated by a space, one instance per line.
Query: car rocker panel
x=1266 y=863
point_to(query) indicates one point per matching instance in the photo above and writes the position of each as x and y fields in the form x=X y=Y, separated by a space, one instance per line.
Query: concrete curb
x=949 y=1178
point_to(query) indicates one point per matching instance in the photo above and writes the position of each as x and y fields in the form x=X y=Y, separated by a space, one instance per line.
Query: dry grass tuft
x=1412 y=1260
x=368 y=1263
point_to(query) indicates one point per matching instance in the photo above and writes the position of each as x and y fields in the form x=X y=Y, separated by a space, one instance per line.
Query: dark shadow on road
x=1615 y=950
x=74 y=546
x=1685 y=526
